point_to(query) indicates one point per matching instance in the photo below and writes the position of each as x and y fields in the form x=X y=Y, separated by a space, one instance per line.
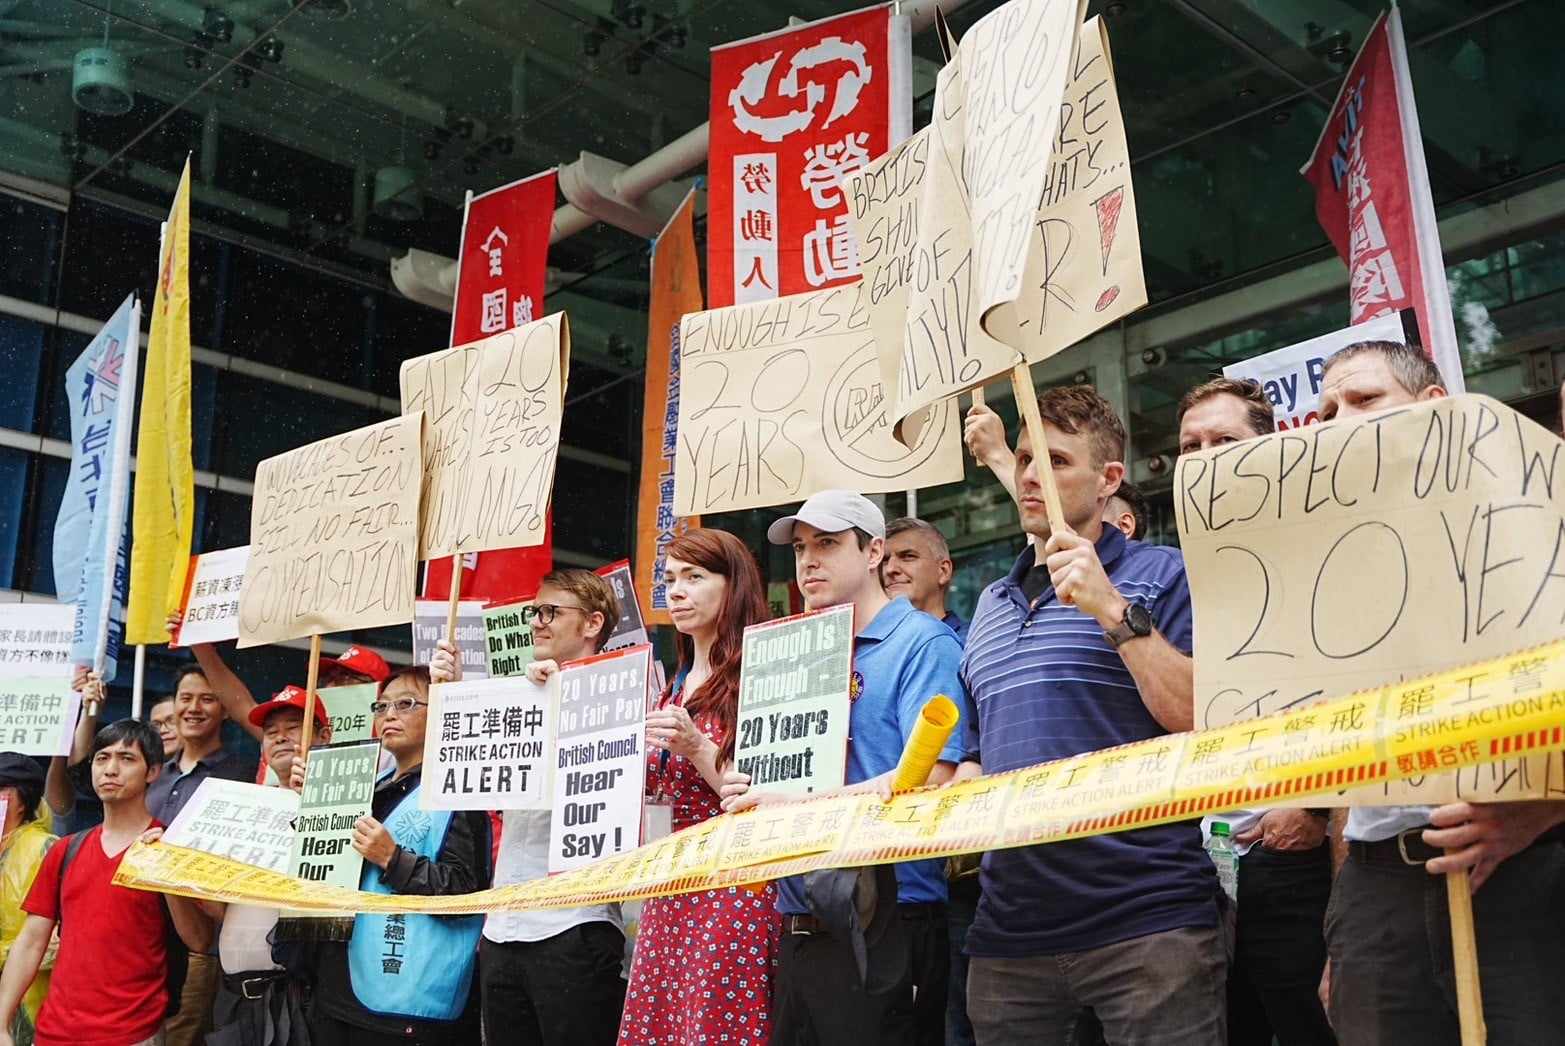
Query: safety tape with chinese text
x=1466 y=717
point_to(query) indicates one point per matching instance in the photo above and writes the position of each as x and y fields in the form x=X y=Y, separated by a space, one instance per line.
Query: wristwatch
x=1137 y=622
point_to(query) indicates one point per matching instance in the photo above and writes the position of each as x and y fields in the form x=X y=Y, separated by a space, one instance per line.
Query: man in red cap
x=356 y=665
x=256 y=994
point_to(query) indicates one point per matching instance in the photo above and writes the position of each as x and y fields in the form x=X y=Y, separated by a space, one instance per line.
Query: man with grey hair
x=918 y=565
x=1388 y=935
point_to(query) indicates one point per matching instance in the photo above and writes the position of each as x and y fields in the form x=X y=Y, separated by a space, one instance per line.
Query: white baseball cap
x=831 y=511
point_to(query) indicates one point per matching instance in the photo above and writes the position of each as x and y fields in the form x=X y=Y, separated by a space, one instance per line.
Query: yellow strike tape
x=1493 y=710
x=936 y=720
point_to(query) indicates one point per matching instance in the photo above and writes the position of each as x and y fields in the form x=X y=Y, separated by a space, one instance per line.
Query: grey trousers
x=1388 y=933
x=1164 y=989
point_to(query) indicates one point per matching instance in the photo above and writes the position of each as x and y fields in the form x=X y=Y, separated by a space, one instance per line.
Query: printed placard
x=631 y=628
x=210 y=611
x=248 y=823
x=1364 y=551
x=429 y=627
x=494 y=409
x=600 y=774
x=348 y=708
x=333 y=535
x=338 y=790
x=37 y=716
x=508 y=638
x=489 y=745
x=794 y=699
x=1292 y=376
x=35 y=640
x=37 y=705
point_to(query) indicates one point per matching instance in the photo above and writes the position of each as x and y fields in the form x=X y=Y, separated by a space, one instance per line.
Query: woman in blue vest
x=405 y=978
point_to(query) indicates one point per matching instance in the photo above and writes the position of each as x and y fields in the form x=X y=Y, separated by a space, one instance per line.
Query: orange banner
x=676 y=290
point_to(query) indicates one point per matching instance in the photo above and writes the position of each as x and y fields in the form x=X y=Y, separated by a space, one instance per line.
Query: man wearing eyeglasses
x=550 y=977
x=359 y=997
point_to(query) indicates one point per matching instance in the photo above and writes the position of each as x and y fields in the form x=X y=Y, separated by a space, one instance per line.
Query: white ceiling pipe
x=689 y=150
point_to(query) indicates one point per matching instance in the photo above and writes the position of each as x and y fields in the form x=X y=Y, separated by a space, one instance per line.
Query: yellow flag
x=165 y=479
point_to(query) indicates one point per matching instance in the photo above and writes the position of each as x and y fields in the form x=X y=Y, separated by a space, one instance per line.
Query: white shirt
x=1371 y=824
x=242 y=946
x=524 y=855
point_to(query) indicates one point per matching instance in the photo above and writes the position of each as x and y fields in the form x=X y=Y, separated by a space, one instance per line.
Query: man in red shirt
x=109 y=986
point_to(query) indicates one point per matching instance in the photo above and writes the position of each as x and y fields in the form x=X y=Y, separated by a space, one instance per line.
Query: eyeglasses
x=402 y=705
x=544 y=613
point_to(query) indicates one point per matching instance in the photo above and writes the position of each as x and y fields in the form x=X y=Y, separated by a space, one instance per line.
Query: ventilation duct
x=396 y=194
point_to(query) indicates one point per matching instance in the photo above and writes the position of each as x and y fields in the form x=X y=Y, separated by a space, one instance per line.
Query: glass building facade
x=289 y=109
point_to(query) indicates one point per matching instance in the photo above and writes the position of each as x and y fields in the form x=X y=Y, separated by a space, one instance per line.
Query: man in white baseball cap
x=901 y=659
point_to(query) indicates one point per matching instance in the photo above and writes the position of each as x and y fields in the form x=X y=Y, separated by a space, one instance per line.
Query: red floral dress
x=704 y=962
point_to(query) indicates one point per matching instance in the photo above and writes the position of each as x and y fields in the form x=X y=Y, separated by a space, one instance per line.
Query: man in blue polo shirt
x=901 y=659
x=1088 y=651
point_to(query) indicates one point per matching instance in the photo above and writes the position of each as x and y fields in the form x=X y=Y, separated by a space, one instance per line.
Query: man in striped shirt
x=1088 y=649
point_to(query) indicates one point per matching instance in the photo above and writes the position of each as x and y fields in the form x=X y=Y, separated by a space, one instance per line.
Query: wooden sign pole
x=456 y=596
x=1464 y=959
x=312 y=677
x=1027 y=402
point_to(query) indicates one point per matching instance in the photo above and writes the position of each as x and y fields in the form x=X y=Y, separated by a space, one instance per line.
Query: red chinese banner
x=676 y=290
x=792 y=113
x=1372 y=197
x=501 y=272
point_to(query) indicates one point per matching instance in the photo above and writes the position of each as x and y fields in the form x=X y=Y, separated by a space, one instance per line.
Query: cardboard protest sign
x=1014 y=65
x=248 y=823
x=209 y=613
x=916 y=223
x=348 y=708
x=794 y=701
x=338 y=790
x=37 y=705
x=784 y=398
x=600 y=775
x=429 y=627
x=1292 y=376
x=1361 y=552
x=508 y=638
x=489 y=745
x=333 y=535
x=1083 y=262
x=494 y=409
x=631 y=628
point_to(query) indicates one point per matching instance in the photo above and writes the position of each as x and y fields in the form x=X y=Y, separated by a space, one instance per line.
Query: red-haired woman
x=704 y=961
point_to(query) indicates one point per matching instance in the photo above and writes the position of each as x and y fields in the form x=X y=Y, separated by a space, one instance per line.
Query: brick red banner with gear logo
x=792 y=113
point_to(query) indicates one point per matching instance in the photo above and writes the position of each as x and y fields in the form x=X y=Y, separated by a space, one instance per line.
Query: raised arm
x=235 y=697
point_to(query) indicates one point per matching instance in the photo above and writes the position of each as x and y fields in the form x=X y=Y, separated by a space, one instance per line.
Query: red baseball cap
x=364 y=662
x=289 y=696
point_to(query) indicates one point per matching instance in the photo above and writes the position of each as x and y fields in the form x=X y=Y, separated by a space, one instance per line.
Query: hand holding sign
x=671 y=729
x=373 y=842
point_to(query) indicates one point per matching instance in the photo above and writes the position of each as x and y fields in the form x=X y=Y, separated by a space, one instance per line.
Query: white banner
x=1292 y=376
x=489 y=744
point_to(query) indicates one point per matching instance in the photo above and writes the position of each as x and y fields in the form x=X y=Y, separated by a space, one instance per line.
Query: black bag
x=178 y=956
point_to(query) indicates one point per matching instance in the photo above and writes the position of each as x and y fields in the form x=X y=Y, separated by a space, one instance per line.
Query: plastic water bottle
x=1220 y=847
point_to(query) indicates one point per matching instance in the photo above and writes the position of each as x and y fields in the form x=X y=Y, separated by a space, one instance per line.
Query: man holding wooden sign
x=550 y=976
x=1085 y=645
x=1390 y=972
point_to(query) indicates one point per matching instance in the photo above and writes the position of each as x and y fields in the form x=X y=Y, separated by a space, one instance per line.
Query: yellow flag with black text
x=164 y=512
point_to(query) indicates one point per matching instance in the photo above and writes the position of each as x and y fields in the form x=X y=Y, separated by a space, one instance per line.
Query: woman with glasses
x=703 y=965
x=404 y=978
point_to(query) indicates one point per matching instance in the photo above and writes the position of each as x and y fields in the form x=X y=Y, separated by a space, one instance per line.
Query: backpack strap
x=73 y=844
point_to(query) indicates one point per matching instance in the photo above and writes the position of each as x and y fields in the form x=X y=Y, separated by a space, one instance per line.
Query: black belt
x=252 y=986
x=1408 y=849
